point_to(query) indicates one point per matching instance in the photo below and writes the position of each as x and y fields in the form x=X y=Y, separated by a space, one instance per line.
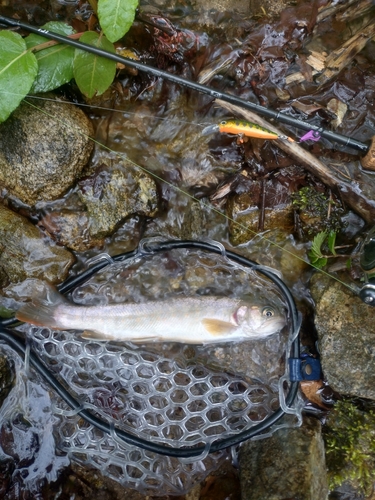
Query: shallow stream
x=208 y=187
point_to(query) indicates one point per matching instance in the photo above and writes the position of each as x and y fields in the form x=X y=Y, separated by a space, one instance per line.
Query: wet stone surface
x=105 y=198
x=290 y=464
x=345 y=327
x=25 y=253
x=40 y=155
x=261 y=205
x=252 y=50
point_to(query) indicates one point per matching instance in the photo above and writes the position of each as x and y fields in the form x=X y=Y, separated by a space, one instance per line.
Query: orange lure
x=240 y=127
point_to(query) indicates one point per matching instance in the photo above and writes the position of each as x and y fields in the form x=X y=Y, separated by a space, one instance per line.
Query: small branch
x=51 y=43
x=342 y=56
x=355 y=198
x=329 y=205
x=335 y=256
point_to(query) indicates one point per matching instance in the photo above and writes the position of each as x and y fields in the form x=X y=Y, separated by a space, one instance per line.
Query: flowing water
x=158 y=126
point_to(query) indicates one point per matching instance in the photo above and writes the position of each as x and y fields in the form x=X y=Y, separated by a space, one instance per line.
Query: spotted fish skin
x=191 y=320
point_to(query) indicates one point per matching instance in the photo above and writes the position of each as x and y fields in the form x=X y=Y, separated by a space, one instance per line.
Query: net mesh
x=173 y=394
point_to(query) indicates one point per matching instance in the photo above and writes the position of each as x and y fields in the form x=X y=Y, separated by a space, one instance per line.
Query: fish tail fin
x=41 y=310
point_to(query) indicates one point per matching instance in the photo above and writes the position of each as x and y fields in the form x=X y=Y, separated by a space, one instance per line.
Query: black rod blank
x=261 y=110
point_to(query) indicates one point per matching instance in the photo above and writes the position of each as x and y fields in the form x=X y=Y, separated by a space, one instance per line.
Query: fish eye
x=223 y=122
x=268 y=312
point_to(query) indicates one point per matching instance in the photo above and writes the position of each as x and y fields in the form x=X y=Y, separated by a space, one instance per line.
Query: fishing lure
x=241 y=127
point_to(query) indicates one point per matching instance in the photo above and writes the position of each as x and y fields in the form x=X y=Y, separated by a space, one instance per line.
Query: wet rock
x=43 y=151
x=345 y=327
x=223 y=5
x=289 y=464
x=188 y=223
x=71 y=229
x=19 y=441
x=109 y=195
x=245 y=214
x=24 y=253
x=84 y=482
x=269 y=8
x=6 y=379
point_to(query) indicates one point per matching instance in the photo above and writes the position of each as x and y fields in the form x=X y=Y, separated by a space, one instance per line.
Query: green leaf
x=332 y=241
x=315 y=253
x=18 y=69
x=319 y=263
x=93 y=74
x=317 y=244
x=55 y=63
x=116 y=17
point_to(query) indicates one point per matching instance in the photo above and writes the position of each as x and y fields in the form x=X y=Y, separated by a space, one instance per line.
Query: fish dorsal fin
x=218 y=327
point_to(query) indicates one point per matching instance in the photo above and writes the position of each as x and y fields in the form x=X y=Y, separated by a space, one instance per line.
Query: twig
x=262 y=206
x=329 y=205
x=350 y=194
x=51 y=43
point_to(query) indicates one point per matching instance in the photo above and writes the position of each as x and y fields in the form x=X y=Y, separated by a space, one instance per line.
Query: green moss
x=349 y=435
x=317 y=211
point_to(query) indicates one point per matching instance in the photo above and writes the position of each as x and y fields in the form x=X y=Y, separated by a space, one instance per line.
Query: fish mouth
x=234 y=319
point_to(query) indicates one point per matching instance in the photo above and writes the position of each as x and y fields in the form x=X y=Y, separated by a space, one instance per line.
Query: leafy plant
x=18 y=69
x=315 y=254
x=349 y=435
x=35 y=65
x=116 y=17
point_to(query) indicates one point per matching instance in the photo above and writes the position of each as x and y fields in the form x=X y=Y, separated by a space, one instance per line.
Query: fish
x=184 y=319
x=242 y=127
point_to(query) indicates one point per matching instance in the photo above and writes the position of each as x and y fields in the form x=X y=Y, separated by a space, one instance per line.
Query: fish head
x=259 y=321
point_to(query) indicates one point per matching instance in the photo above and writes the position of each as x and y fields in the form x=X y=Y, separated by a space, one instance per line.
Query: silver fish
x=191 y=320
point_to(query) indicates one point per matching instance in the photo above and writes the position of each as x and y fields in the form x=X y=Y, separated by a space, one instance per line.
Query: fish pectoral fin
x=218 y=327
x=93 y=335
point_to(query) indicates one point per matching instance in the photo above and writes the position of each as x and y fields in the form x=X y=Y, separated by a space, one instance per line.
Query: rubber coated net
x=174 y=394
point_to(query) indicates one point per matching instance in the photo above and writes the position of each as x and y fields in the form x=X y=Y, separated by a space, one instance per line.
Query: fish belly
x=178 y=320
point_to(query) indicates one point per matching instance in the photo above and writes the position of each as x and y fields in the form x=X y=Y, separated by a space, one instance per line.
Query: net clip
x=304 y=368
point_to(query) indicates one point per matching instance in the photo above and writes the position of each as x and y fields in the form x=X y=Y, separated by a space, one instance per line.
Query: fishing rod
x=316 y=131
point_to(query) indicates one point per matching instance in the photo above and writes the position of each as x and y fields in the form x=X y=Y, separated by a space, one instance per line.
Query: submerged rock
x=187 y=221
x=44 y=150
x=107 y=197
x=24 y=253
x=289 y=464
x=110 y=196
x=345 y=327
x=245 y=215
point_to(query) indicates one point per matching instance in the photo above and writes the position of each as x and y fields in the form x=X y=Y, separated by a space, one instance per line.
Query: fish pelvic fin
x=94 y=335
x=40 y=311
x=101 y=337
x=217 y=327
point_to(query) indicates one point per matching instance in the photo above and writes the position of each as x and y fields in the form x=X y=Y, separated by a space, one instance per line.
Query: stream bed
x=150 y=175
